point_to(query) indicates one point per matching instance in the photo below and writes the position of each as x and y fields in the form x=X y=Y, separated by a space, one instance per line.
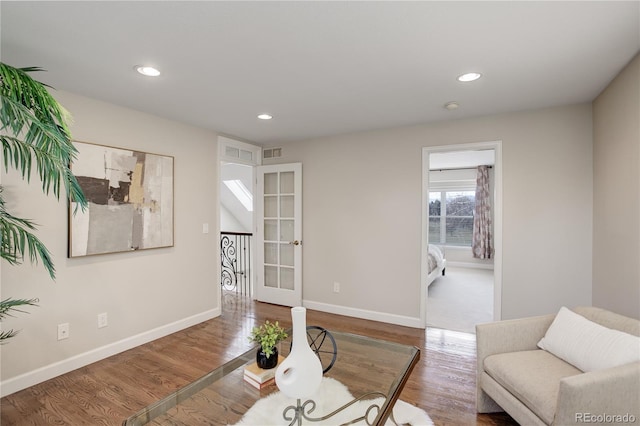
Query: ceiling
x=323 y=68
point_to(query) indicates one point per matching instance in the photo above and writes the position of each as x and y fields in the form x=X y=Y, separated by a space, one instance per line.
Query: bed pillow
x=587 y=345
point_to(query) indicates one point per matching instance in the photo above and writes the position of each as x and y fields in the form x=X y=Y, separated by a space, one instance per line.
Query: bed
x=437 y=263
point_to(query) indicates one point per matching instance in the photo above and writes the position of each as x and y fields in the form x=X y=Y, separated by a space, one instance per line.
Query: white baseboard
x=364 y=314
x=50 y=371
x=470 y=265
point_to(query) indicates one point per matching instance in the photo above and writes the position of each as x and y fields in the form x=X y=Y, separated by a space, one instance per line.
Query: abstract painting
x=130 y=195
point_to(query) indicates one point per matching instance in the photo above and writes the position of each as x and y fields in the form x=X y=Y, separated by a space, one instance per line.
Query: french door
x=279 y=234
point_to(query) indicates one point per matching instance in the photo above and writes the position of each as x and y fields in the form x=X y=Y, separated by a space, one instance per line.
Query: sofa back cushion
x=610 y=319
x=588 y=345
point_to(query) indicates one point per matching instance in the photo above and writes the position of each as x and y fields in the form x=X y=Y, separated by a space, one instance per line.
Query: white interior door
x=279 y=234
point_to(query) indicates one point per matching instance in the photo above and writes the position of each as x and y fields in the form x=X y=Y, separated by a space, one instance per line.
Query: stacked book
x=258 y=377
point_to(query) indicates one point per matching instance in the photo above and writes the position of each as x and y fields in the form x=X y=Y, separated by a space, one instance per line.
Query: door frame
x=255 y=153
x=497 y=225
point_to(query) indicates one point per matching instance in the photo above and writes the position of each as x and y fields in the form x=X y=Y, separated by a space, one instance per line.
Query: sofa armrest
x=610 y=392
x=511 y=335
x=515 y=335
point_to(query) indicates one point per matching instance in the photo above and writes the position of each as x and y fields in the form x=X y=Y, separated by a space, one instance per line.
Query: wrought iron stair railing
x=235 y=259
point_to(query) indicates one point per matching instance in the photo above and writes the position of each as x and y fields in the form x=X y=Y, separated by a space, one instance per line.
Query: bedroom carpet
x=332 y=394
x=461 y=299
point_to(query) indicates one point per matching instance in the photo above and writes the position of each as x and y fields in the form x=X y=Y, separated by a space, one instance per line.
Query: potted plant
x=35 y=136
x=267 y=336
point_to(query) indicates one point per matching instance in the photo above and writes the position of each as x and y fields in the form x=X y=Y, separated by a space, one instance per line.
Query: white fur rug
x=332 y=394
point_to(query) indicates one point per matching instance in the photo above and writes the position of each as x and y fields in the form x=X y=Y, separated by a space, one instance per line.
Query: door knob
x=295 y=243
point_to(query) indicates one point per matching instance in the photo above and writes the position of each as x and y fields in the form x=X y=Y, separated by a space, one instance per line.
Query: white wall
x=234 y=216
x=147 y=293
x=616 y=240
x=229 y=223
x=362 y=212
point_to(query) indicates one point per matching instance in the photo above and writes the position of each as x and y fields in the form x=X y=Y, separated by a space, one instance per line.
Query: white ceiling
x=323 y=68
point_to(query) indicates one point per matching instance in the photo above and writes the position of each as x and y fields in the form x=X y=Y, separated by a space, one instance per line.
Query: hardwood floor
x=108 y=391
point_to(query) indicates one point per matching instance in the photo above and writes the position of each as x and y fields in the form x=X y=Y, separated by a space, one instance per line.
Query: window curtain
x=482 y=244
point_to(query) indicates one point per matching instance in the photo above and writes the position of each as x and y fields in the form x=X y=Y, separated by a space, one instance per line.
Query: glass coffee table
x=372 y=369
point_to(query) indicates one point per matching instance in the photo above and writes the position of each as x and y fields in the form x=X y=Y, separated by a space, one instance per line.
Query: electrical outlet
x=63 y=331
x=102 y=320
x=336 y=287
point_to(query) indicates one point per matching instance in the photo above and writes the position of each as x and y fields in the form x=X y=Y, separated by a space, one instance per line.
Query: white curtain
x=482 y=239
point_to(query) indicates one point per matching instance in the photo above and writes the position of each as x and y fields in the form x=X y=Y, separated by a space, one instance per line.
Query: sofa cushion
x=531 y=376
x=589 y=345
x=609 y=319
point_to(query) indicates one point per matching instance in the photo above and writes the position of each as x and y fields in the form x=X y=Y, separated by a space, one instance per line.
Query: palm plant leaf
x=16 y=240
x=38 y=124
x=7 y=335
x=8 y=305
x=33 y=127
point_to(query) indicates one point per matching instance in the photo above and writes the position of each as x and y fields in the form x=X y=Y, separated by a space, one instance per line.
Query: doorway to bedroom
x=462 y=222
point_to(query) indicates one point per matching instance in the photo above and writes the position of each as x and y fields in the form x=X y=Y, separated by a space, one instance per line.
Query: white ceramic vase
x=300 y=374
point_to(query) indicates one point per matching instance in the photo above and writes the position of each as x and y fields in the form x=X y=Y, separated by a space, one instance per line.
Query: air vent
x=272 y=153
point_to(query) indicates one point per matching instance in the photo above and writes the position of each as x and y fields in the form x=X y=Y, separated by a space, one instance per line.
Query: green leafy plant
x=34 y=134
x=8 y=305
x=268 y=335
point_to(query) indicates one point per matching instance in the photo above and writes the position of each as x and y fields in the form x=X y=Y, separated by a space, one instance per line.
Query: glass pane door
x=279 y=187
x=279 y=235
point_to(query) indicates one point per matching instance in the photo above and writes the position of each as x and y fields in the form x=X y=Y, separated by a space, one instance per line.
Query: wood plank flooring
x=108 y=391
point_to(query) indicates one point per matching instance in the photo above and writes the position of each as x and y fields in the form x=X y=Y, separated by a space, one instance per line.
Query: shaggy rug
x=331 y=395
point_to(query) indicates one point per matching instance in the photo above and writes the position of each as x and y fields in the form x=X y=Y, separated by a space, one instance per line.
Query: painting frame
x=130 y=195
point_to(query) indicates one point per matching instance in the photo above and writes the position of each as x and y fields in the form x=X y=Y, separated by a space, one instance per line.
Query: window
x=451 y=217
x=236 y=152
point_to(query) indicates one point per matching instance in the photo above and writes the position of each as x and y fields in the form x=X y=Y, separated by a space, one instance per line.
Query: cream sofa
x=538 y=388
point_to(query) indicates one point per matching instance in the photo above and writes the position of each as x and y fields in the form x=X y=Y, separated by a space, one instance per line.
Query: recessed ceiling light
x=451 y=105
x=147 y=71
x=470 y=76
x=265 y=116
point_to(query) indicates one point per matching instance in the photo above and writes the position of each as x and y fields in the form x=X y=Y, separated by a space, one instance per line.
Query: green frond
x=20 y=154
x=6 y=307
x=16 y=240
x=33 y=133
x=7 y=335
x=40 y=132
